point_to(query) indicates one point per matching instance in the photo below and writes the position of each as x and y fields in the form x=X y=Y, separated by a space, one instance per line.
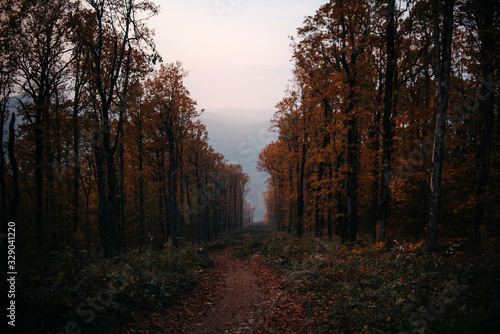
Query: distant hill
x=240 y=135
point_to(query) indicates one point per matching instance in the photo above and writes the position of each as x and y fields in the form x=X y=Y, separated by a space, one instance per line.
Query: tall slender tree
x=387 y=141
x=41 y=59
x=108 y=30
x=443 y=34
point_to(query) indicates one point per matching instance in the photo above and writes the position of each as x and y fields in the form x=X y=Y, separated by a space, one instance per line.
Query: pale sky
x=237 y=52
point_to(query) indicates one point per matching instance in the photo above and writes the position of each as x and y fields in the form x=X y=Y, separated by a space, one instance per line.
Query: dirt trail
x=232 y=307
x=234 y=296
x=227 y=300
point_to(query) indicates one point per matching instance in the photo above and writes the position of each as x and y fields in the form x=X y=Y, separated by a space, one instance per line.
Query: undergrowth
x=367 y=287
x=362 y=287
x=78 y=291
x=239 y=237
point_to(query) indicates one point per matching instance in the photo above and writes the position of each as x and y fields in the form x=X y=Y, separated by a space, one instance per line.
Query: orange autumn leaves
x=337 y=136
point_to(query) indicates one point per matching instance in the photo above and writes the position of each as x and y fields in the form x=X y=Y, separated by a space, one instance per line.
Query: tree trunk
x=241 y=205
x=206 y=208
x=376 y=175
x=112 y=188
x=317 y=214
x=39 y=149
x=15 y=172
x=142 y=232
x=352 y=179
x=189 y=214
x=300 y=191
x=443 y=70
x=199 y=204
x=276 y=206
x=122 y=198
x=76 y=168
x=3 y=184
x=172 y=199
x=485 y=21
x=101 y=191
x=387 y=121
x=162 y=189
x=235 y=204
x=290 y=205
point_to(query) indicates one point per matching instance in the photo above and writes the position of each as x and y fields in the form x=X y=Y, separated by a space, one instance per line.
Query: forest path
x=234 y=296
x=230 y=295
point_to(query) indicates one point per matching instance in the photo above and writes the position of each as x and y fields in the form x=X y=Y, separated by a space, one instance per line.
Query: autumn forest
x=383 y=98
x=106 y=148
x=386 y=153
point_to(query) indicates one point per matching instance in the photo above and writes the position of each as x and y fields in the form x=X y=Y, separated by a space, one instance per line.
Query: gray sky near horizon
x=237 y=52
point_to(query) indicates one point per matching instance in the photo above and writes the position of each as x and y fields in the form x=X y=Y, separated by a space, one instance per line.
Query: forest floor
x=258 y=280
x=234 y=296
x=263 y=281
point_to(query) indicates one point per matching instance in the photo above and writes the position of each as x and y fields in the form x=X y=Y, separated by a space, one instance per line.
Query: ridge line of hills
x=240 y=135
